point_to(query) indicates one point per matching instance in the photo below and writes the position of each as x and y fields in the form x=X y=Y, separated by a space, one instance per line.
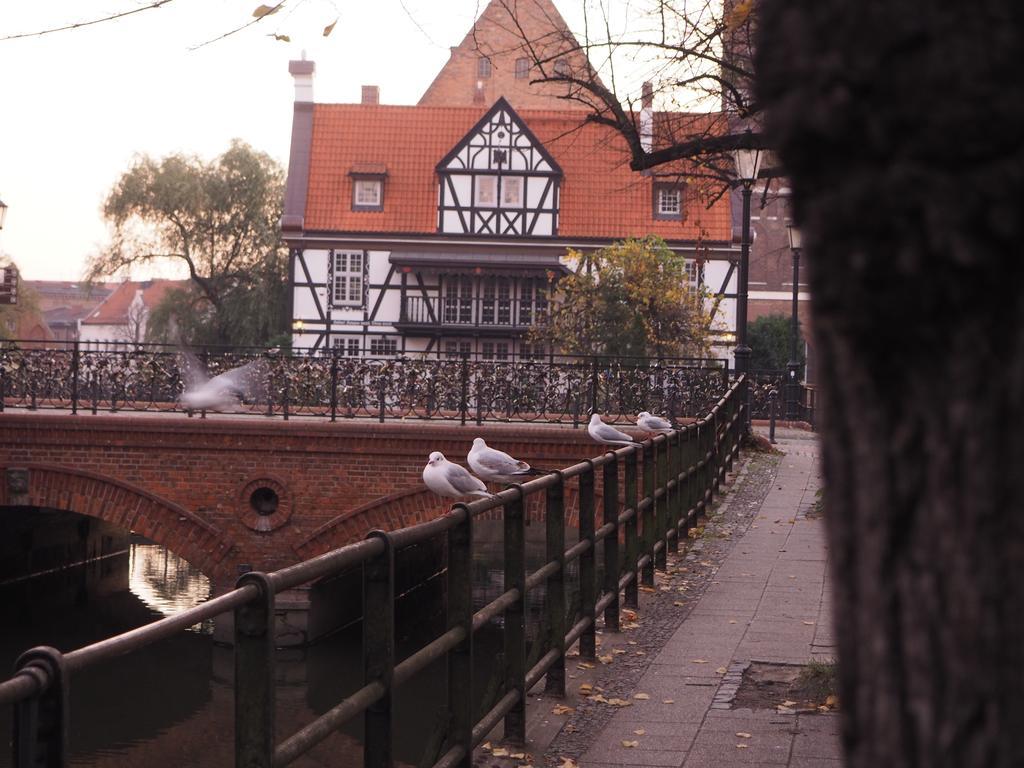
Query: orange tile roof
x=600 y=196
x=114 y=310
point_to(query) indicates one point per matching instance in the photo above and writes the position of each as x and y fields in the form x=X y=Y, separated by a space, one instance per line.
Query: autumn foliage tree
x=631 y=299
x=219 y=221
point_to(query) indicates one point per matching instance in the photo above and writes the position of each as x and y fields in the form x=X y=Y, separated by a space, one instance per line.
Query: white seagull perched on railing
x=498 y=466
x=604 y=433
x=651 y=423
x=223 y=392
x=447 y=479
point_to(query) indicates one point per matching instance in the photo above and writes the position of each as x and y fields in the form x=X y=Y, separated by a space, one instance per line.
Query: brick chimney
x=371 y=94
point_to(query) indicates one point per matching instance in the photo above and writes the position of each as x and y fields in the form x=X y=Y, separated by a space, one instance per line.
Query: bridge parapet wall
x=190 y=483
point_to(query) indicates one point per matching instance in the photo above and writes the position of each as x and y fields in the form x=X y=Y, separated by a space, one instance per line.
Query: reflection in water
x=171 y=704
x=162 y=580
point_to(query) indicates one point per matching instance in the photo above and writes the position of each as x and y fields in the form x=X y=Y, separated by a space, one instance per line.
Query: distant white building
x=121 y=319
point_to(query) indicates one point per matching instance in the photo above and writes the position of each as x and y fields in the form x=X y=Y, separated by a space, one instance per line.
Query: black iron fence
x=143 y=377
x=652 y=495
x=776 y=394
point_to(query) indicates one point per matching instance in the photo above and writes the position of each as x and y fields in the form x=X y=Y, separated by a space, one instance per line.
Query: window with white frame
x=347 y=275
x=494 y=350
x=384 y=347
x=368 y=194
x=346 y=345
x=454 y=350
x=512 y=191
x=668 y=201
x=486 y=190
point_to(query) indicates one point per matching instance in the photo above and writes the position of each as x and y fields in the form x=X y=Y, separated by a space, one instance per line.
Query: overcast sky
x=77 y=105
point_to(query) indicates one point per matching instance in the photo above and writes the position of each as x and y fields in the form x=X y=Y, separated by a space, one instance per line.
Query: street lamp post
x=748 y=165
x=795 y=244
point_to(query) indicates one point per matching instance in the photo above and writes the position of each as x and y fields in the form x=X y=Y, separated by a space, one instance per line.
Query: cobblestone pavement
x=751 y=587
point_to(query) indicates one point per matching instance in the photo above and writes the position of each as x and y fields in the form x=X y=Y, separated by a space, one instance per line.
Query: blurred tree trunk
x=902 y=128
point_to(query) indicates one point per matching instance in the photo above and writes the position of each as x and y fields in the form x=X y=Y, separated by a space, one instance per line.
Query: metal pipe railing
x=678 y=476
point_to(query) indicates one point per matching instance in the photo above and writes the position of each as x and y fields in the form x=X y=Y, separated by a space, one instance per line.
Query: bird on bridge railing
x=498 y=466
x=447 y=479
x=223 y=392
x=652 y=423
x=609 y=435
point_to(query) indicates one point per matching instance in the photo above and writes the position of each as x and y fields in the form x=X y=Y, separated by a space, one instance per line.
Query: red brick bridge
x=229 y=491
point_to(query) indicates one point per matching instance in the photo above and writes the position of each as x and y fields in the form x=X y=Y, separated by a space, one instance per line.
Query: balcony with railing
x=499 y=315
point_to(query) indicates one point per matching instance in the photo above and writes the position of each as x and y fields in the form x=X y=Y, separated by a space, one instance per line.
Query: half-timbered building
x=442 y=229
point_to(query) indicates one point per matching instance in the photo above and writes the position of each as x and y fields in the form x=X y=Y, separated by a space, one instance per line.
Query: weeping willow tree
x=218 y=220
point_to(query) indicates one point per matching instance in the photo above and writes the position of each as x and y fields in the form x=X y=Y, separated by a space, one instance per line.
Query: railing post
x=610 y=491
x=648 y=533
x=464 y=400
x=40 y=738
x=380 y=398
x=632 y=539
x=588 y=571
x=661 y=506
x=672 y=475
x=515 y=616
x=773 y=401
x=554 y=519
x=379 y=650
x=334 y=386
x=459 y=592
x=254 y=675
x=74 y=378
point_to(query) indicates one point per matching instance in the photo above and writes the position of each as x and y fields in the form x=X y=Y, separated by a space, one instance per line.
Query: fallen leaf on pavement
x=641 y=696
x=585 y=665
x=668 y=701
x=741 y=746
x=639 y=731
x=568 y=762
x=721 y=670
x=586 y=689
x=619 y=703
x=743 y=735
x=698 y=661
x=809 y=623
x=605 y=659
x=499 y=752
x=561 y=709
x=626 y=743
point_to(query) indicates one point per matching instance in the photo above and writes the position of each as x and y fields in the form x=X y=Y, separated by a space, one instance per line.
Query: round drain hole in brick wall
x=264 y=501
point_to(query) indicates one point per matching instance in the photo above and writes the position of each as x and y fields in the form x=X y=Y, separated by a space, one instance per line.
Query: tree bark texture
x=901 y=126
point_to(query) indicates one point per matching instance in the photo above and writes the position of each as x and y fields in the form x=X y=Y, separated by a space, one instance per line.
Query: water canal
x=171 y=704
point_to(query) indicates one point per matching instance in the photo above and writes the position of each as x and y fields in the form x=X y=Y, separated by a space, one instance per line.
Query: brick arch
x=115 y=501
x=416 y=505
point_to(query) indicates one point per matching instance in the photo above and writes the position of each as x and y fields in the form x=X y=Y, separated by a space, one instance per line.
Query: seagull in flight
x=223 y=392
x=447 y=479
x=492 y=464
x=650 y=423
x=609 y=435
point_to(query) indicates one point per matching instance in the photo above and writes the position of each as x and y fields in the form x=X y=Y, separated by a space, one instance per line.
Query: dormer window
x=668 y=201
x=368 y=186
